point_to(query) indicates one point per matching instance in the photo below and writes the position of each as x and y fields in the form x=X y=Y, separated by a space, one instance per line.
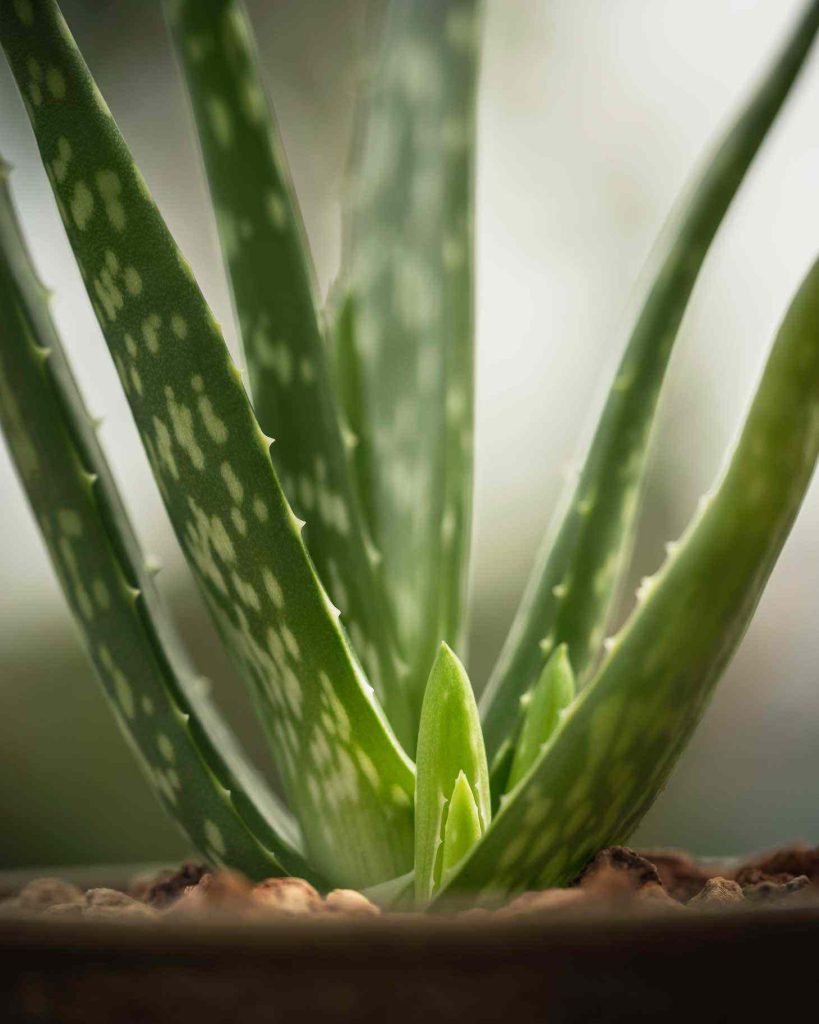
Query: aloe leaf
x=350 y=392
x=185 y=749
x=569 y=594
x=449 y=744
x=616 y=746
x=462 y=828
x=343 y=772
x=265 y=251
x=548 y=699
x=394 y=893
x=407 y=280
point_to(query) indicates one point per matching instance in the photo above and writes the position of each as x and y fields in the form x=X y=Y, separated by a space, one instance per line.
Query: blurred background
x=593 y=115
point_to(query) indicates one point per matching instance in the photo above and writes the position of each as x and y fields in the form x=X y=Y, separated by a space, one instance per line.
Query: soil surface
x=621 y=879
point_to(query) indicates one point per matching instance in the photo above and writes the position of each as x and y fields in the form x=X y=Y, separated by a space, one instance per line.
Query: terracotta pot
x=687 y=966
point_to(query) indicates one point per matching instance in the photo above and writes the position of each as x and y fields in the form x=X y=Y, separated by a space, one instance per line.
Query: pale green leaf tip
x=561 y=659
x=448 y=668
x=543 y=706
x=463 y=826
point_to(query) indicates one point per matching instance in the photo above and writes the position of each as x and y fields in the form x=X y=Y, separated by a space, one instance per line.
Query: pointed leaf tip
x=553 y=691
x=450 y=744
x=463 y=826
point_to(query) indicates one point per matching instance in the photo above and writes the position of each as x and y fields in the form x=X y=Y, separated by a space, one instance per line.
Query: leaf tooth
x=547 y=643
x=297 y=524
x=264 y=439
x=224 y=792
x=181 y=716
x=328 y=604
x=153 y=565
x=647 y=584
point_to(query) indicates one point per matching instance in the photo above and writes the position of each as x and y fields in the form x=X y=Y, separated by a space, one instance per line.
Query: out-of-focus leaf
x=569 y=594
x=406 y=293
x=274 y=293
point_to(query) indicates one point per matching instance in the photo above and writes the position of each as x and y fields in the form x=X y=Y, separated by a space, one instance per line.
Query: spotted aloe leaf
x=406 y=291
x=616 y=746
x=185 y=749
x=344 y=774
x=349 y=389
x=450 y=747
x=274 y=292
x=569 y=593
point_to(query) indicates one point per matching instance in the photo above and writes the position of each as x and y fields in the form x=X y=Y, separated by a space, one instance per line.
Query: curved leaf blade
x=614 y=750
x=343 y=772
x=569 y=594
x=265 y=251
x=185 y=750
x=407 y=288
x=548 y=699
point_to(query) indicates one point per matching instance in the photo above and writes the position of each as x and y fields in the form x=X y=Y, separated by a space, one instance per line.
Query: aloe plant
x=345 y=628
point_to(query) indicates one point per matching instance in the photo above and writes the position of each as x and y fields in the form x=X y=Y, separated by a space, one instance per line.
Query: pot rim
x=388 y=932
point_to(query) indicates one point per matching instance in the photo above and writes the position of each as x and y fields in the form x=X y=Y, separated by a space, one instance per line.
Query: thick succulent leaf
x=186 y=751
x=274 y=293
x=462 y=828
x=449 y=744
x=615 y=748
x=349 y=390
x=545 y=704
x=569 y=593
x=407 y=287
x=345 y=775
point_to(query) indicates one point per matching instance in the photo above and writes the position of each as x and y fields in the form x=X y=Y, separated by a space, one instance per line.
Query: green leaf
x=350 y=392
x=569 y=594
x=551 y=695
x=343 y=772
x=407 y=284
x=616 y=746
x=449 y=744
x=395 y=893
x=187 y=754
x=462 y=828
x=265 y=250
